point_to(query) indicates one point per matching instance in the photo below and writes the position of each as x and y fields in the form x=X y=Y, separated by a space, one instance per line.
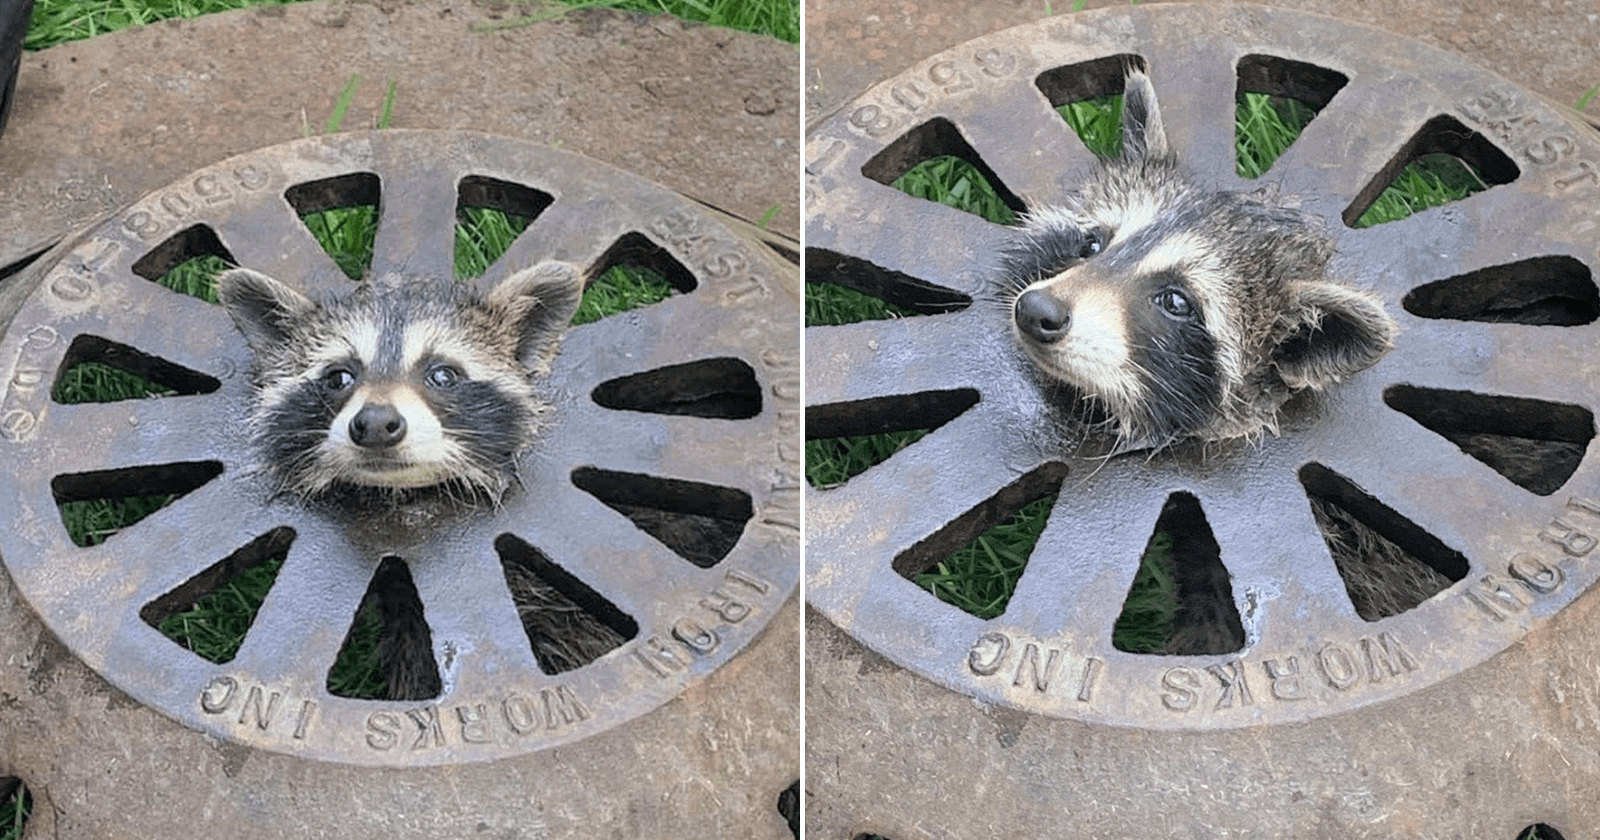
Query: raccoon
x=395 y=389
x=1163 y=311
x=401 y=393
x=1176 y=311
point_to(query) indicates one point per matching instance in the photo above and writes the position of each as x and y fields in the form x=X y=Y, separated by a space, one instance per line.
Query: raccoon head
x=1177 y=311
x=395 y=388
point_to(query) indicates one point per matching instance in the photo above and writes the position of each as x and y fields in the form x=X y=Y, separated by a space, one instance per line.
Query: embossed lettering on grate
x=1495 y=294
x=670 y=418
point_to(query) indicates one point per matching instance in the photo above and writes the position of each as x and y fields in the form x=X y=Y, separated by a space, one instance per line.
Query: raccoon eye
x=443 y=376
x=338 y=379
x=1175 y=304
x=1091 y=246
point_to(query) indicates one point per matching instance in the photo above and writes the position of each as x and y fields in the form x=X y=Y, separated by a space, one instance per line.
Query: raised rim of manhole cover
x=731 y=317
x=1382 y=101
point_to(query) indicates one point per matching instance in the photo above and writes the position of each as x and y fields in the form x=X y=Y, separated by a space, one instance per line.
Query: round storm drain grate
x=1465 y=451
x=655 y=512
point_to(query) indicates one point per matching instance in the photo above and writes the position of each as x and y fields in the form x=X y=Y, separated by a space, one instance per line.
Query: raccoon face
x=396 y=388
x=1180 y=312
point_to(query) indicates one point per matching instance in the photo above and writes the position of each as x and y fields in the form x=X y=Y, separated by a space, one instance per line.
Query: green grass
x=1097 y=122
x=620 y=289
x=216 y=625
x=833 y=461
x=14 y=813
x=980 y=576
x=347 y=234
x=953 y=182
x=946 y=179
x=832 y=304
x=356 y=671
x=58 y=21
x=986 y=571
x=1265 y=126
x=482 y=236
x=1145 y=624
x=1429 y=181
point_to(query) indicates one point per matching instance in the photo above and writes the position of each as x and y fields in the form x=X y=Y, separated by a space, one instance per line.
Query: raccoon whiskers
x=1185 y=312
x=396 y=391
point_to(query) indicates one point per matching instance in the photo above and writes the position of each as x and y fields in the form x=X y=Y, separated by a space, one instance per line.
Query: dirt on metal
x=1282 y=737
x=705 y=111
x=713 y=759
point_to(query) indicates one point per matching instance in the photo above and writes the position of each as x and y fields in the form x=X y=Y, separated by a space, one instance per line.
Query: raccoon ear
x=260 y=306
x=1337 y=331
x=1142 y=134
x=539 y=303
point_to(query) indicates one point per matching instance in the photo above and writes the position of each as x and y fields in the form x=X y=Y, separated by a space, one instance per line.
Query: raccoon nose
x=377 y=426
x=1041 y=317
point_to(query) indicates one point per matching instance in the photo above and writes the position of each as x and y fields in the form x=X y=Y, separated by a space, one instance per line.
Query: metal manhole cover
x=1383 y=441
x=636 y=423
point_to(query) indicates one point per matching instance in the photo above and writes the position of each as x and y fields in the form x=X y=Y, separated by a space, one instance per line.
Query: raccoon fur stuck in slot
x=399 y=393
x=1162 y=311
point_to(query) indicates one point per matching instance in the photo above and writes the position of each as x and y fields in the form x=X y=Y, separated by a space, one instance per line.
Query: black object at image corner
x=14 y=15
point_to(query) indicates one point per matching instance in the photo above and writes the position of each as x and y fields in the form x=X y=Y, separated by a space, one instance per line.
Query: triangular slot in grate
x=700 y=522
x=712 y=388
x=1443 y=162
x=1535 y=444
x=568 y=624
x=96 y=505
x=1275 y=100
x=633 y=272
x=1545 y=291
x=388 y=651
x=187 y=262
x=841 y=289
x=1389 y=564
x=934 y=162
x=211 y=613
x=95 y=370
x=847 y=439
x=974 y=562
x=1088 y=95
x=342 y=214
x=490 y=215
x=1181 y=600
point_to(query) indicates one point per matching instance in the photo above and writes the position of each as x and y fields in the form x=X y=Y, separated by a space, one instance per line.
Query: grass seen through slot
x=1429 y=181
x=347 y=234
x=1266 y=126
x=833 y=461
x=832 y=304
x=216 y=625
x=1097 y=122
x=979 y=577
x=954 y=182
x=15 y=804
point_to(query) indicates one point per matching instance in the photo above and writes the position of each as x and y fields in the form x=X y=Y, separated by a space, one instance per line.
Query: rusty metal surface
x=1313 y=676
x=496 y=703
x=1547 y=47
